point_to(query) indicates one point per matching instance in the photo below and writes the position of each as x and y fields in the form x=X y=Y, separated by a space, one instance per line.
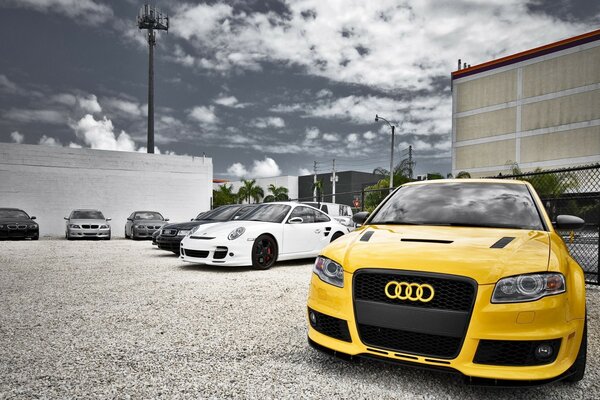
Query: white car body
x=294 y=240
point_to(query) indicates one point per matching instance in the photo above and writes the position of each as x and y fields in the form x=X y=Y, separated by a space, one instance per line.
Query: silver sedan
x=87 y=224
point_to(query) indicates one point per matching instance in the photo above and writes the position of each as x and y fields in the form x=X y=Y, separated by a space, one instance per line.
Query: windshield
x=148 y=215
x=268 y=213
x=86 y=214
x=223 y=213
x=461 y=204
x=13 y=214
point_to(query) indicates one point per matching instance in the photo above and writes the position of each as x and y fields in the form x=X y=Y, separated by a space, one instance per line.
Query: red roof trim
x=526 y=55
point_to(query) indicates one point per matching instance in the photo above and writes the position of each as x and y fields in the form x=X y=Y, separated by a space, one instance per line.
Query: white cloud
x=304 y=171
x=312 y=133
x=126 y=107
x=204 y=115
x=369 y=135
x=89 y=104
x=266 y=168
x=7 y=85
x=352 y=138
x=39 y=116
x=238 y=170
x=386 y=44
x=17 y=137
x=99 y=134
x=330 y=137
x=89 y=11
x=75 y=145
x=262 y=123
x=182 y=57
x=50 y=141
x=229 y=101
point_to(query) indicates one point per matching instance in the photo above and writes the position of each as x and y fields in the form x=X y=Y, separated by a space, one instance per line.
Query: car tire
x=264 y=252
x=35 y=238
x=126 y=237
x=579 y=364
x=336 y=236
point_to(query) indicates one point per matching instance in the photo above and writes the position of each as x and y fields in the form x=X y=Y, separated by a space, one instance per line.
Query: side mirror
x=129 y=219
x=167 y=219
x=192 y=219
x=360 y=217
x=296 y=220
x=108 y=219
x=32 y=217
x=568 y=222
x=66 y=218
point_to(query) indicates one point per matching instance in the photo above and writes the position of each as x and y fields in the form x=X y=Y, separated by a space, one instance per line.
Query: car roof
x=85 y=209
x=478 y=180
x=140 y=211
x=10 y=208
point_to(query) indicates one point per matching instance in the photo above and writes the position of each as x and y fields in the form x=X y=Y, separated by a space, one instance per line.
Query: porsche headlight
x=329 y=271
x=528 y=287
x=236 y=233
x=183 y=232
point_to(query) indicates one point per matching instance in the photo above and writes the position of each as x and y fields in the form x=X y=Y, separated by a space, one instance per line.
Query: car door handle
x=317 y=231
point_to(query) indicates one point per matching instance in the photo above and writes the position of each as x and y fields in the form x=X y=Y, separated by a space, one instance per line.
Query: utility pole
x=315 y=182
x=333 y=181
x=410 y=164
x=151 y=19
x=377 y=118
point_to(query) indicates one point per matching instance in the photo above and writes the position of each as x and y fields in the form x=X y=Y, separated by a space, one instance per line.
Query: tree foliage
x=250 y=191
x=278 y=193
x=224 y=195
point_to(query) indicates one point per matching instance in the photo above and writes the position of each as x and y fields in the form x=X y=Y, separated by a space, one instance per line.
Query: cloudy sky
x=263 y=87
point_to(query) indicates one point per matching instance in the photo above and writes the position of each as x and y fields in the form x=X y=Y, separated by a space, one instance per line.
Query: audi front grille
x=433 y=327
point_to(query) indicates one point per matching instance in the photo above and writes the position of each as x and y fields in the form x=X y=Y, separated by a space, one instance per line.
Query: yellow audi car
x=467 y=276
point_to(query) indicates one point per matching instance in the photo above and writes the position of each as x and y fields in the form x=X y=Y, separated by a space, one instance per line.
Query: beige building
x=538 y=108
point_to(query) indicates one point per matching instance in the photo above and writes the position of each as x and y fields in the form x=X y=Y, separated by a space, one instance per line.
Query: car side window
x=324 y=209
x=305 y=213
x=321 y=217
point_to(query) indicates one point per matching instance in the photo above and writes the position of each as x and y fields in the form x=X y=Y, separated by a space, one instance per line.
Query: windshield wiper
x=396 y=223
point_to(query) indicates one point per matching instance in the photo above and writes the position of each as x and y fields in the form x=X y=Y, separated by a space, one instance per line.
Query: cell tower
x=153 y=20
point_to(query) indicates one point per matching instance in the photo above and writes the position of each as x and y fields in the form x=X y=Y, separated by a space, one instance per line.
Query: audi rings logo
x=409 y=291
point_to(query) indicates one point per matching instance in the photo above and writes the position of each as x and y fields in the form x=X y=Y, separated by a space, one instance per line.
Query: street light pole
x=377 y=118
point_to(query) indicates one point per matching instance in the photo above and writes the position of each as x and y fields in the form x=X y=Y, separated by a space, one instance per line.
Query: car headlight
x=74 y=226
x=329 y=271
x=236 y=233
x=32 y=226
x=183 y=232
x=528 y=287
x=103 y=226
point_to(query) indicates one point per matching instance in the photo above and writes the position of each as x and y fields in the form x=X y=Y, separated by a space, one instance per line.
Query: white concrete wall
x=49 y=182
x=290 y=182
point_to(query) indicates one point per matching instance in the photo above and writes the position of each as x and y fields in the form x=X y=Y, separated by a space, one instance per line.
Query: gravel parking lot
x=123 y=319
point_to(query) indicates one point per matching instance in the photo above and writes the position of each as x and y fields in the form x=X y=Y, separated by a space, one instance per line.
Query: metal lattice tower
x=153 y=20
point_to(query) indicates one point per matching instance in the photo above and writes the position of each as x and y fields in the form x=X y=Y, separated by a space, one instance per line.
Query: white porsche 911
x=268 y=233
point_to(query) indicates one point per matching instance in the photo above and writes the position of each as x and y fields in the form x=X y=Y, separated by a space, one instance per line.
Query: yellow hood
x=450 y=250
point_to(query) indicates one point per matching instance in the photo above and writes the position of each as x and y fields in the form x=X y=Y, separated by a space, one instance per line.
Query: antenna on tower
x=152 y=19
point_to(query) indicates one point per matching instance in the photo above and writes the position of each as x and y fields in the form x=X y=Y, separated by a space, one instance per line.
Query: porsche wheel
x=264 y=252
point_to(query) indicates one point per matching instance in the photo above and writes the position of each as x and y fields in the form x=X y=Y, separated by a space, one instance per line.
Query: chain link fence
x=572 y=191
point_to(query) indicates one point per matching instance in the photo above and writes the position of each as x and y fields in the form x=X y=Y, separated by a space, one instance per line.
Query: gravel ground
x=122 y=319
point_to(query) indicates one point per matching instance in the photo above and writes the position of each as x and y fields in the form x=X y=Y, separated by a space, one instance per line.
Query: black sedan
x=171 y=235
x=17 y=224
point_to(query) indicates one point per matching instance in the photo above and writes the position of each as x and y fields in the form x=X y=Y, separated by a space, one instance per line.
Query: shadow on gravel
x=226 y=269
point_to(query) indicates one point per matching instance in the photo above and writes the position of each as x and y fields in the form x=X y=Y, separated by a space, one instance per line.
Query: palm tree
x=463 y=175
x=224 y=195
x=280 y=193
x=318 y=188
x=250 y=190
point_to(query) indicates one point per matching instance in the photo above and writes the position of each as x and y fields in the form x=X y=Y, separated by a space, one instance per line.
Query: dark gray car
x=143 y=224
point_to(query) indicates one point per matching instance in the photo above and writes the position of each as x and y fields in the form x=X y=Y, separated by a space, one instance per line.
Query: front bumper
x=542 y=320
x=89 y=233
x=19 y=232
x=143 y=233
x=233 y=253
x=169 y=243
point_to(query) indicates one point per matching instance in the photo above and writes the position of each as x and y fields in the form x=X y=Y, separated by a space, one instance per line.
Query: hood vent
x=366 y=236
x=502 y=243
x=427 y=241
